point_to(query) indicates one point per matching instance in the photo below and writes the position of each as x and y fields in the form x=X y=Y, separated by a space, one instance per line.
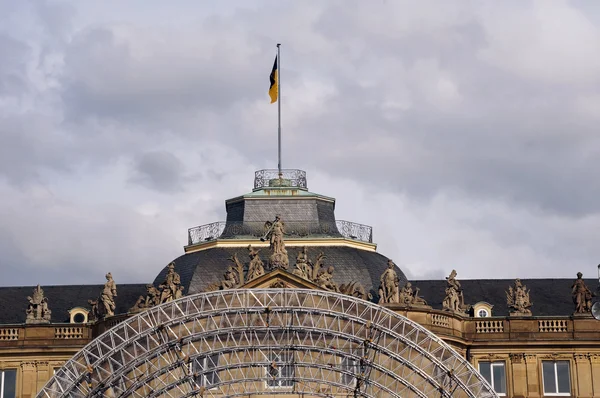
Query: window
x=352 y=366
x=557 y=377
x=281 y=369
x=495 y=374
x=206 y=367
x=8 y=383
x=482 y=313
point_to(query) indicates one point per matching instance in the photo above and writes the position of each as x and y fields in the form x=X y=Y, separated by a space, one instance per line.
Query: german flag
x=273 y=91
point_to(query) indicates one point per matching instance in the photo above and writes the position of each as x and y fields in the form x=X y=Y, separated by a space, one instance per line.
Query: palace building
x=283 y=299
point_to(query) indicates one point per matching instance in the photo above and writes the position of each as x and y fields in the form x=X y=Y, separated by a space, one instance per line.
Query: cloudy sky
x=466 y=133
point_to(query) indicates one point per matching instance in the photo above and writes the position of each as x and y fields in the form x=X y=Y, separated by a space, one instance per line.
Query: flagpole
x=279 y=109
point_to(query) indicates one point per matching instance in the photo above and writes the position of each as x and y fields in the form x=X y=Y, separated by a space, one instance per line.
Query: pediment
x=279 y=279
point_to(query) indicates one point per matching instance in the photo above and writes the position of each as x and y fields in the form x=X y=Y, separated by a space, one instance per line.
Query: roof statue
x=389 y=288
x=410 y=298
x=170 y=287
x=105 y=305
x=303 y=268
x=517 y=299
x=151 y=299
x=256 y=267
x=582 y=295
x=37 y=309
x=275 y=232
x=454 y=300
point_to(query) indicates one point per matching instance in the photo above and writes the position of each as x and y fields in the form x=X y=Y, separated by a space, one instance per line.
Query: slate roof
x=550 y=297
x=199 y=269
x=13 y=300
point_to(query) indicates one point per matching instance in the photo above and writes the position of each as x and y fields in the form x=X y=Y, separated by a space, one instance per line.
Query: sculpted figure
x=454 y=300
x=355 y=289
x=388 y=290
x=302 y=266
x=255 y=268
x=275 y=232
x=107 y=298
x=151 y=299
x=517 y=299
x=582 y=296
x=170 y=287
x=229 y=281
x=95 y=312
x=410 y=297
x=325 y=280
x=37 y=309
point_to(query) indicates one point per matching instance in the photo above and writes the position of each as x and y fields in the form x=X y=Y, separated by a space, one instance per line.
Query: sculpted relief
x=37 y=309
x=517 y=299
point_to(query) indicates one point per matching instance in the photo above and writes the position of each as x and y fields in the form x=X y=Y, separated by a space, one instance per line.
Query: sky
x=465 y=132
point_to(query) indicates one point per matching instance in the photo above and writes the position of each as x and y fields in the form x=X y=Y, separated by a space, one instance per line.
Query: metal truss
x=244 y=342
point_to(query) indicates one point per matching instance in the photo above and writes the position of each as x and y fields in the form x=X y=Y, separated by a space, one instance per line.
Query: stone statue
x=95 y=312
x=255 y=268
x=454 y=300
x=303 y=268
x=355 y=289
x=517 y=299
x=325 y=280
x=37 y=309
x=151 y=299
x=170 y=287
x=582 y=295
x=275 y=233
x=229 y=280
x=409 y=297
x=107 y=298
x=388 y=290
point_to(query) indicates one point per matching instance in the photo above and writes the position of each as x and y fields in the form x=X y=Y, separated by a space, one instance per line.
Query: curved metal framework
x=244 y=342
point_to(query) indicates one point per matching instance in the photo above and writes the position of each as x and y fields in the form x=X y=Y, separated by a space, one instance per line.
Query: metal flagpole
x=279 y=109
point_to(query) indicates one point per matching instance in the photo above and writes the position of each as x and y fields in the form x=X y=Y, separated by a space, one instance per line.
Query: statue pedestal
x=36 y=321
x=583 y=315
x=520 y=314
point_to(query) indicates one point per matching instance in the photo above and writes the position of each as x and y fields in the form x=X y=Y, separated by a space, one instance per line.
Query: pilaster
x=533 y=378
x=28 y=379
x=519 y=375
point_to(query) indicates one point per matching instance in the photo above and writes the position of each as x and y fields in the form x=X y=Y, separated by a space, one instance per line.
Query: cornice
x=243 y=243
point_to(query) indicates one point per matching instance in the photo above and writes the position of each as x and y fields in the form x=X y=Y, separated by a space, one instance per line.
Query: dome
x=309 y=222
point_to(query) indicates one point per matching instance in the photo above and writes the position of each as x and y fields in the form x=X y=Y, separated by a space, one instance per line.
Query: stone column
x=43 y=375
x=519 y=375
x=583 y=376
x=595 y=365
x=534 y=389
x=28 y=380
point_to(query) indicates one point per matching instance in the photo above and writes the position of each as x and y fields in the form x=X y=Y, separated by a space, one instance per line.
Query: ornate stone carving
x=325 y=280
x=275 y=233
x=230 y=280
x=582 y=357
x=37 y=310
x=151 y=299
x=410 y=298
x=303 y=267
x=389 y=288
x=278 y=285
x=517 y=299
x=454 y=300
x=256 y=267
x=516 y=357
x=582 y=296
x=171 y=288
x=355 y=289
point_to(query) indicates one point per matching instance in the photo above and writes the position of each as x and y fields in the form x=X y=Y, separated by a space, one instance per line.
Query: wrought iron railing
x=271 y=178
x=297 y=229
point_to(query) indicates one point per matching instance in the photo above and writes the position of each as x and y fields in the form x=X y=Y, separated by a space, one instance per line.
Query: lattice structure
x=243 y=342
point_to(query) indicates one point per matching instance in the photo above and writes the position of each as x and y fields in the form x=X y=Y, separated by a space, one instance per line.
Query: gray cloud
x=465 y=133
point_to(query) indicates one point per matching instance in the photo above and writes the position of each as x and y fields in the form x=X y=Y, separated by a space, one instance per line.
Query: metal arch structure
x=249 y=342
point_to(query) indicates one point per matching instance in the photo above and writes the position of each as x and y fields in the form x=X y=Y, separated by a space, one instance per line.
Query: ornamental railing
x=269 y=178
x=293 y=229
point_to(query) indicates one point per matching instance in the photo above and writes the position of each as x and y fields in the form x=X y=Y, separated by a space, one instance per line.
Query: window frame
x=285 y=359
x=485 y=311
x=555 y=362
x=2 y=374
x=207 y=368
x=491 y=382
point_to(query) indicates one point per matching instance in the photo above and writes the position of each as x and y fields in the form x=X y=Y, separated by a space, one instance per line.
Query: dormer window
x=482 y=310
